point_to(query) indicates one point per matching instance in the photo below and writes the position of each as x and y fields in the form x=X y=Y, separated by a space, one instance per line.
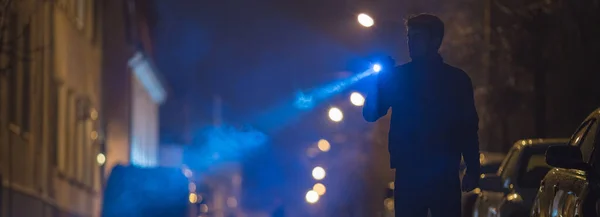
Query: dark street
x=341 y=108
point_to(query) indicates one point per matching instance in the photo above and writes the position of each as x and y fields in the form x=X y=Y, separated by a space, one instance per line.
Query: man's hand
x=470 y=182
x=387 y=65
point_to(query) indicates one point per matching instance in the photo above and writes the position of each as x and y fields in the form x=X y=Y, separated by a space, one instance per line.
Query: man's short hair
x=428 y=22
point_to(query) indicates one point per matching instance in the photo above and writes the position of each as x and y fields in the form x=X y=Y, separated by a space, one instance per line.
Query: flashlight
x=376 y=67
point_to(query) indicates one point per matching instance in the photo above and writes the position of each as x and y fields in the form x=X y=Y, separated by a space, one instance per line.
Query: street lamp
x=357 y=99
x=318 y=173
x=335 y=114
x=312 y=196
x=365 y=20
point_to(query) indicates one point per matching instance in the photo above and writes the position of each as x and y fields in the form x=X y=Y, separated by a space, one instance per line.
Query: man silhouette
x=433 y=122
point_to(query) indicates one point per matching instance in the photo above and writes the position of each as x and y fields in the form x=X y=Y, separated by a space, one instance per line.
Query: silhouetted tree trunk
x=554 y=46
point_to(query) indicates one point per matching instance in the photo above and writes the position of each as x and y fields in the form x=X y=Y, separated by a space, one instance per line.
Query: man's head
x=425 y=35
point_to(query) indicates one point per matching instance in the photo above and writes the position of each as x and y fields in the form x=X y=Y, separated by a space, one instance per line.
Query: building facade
x=49 y=109
x=133 y=88
x=57 y=118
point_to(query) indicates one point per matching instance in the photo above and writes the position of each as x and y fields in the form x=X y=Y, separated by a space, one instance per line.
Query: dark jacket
x=433 y=120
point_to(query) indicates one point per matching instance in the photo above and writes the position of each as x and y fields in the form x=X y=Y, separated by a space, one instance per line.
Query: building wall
x=131 y=83
x=116 y=80
x=77 y=64
x=144 y=141
x=48 y=114
x=66 y=96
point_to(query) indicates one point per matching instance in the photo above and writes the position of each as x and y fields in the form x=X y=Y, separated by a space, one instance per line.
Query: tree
x=549 y=47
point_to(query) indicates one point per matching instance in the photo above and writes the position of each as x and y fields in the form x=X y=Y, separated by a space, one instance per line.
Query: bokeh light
x=357 y=99
x=365 y=20
x=187 y=172
x=389 y=203
x=312 y=152
x=192 y=187
x=312 y=196
x=101 y=159
x=204 y=208
x=193 y=198
x=232 y=202
x=318 y=173
x=319 y=188
x=324 y=145
x=335 y=114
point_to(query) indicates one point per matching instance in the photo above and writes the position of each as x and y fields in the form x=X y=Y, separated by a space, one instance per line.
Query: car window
x=490 y=168
x=536 y=160
x=509 y=164
x=578 y=136
x=534 y=168
x=504 y=162
x=587 y=143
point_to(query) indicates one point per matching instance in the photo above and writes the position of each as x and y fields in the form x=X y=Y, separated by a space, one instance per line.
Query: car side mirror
x=566 y=156
x=491 y=182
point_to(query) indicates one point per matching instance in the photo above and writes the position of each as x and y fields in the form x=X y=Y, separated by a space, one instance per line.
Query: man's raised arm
x=376 y=102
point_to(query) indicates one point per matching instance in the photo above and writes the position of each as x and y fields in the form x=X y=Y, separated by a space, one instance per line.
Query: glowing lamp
x=365 y=20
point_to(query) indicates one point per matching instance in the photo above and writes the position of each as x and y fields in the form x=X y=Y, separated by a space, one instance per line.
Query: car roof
x=596 y=113
x=491 y=157
x=541 y=142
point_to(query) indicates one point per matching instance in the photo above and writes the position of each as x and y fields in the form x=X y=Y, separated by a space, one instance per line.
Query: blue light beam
x=221 y=144
x=306 y=101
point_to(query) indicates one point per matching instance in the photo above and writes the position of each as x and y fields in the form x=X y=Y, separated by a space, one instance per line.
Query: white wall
x=144 y=137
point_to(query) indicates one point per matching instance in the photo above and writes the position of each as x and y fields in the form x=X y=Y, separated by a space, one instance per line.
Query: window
x=578 y=136
x=80 y=9
x=509 y=163
x=62 y=132
x=84 y=141
x=587 y=144
x=71 y=159
x=13 y=75
x=26 y=66
x=79 y=145
x=534 y=167
x=54 y=110
x=490 y=168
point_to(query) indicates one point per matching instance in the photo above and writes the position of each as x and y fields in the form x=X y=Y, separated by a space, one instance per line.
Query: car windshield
x=535 y=161
x=487 y=166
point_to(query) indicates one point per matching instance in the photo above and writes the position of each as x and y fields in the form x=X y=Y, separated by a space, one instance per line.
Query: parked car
x=490 y=162
x=511 y=191
x=572 y=188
